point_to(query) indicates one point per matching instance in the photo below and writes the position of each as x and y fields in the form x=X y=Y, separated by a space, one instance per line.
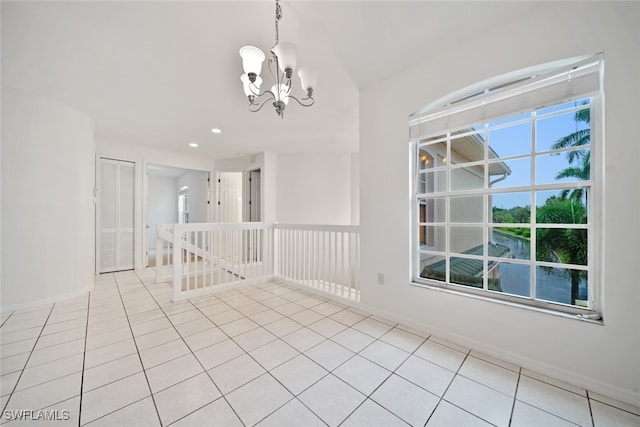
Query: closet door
x=116 y=215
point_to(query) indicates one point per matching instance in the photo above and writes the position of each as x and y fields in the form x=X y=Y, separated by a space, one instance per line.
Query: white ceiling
x=162 y=74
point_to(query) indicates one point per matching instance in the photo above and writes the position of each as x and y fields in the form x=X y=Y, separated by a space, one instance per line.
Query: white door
x=230 y=197
x=254 y=212
x=229 y=210
x=116 y=218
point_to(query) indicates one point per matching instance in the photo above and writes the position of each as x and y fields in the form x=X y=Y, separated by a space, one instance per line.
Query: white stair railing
x=200 y=258
x=324 y=257
x=209 y=256
x=164 y=252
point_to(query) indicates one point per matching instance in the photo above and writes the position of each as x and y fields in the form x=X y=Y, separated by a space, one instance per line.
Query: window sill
x=584 y=316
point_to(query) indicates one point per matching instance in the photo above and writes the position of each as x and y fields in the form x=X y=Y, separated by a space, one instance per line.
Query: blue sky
x=516 y=140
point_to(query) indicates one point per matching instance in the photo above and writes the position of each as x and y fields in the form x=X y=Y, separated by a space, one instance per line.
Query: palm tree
x=568 y=245
x=581 y=172
x=563 y=245
x=576 y=139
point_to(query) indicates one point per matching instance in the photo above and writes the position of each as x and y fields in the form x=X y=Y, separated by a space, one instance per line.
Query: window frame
x=595 y=201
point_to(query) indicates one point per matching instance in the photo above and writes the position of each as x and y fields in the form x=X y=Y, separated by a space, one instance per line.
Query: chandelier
x=281 y=65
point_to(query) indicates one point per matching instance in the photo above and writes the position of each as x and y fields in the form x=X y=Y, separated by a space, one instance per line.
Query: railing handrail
x=318 y=227
x=207 y=226
x=204 y=226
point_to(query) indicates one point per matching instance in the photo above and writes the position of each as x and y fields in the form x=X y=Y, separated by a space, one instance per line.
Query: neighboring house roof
x=471 y=147
x=467 y=271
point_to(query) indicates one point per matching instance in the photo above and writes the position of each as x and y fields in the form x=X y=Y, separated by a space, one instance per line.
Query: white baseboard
x=47 y=301
x=617 y=393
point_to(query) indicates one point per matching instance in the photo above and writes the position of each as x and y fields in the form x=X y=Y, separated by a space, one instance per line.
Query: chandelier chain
x=278 y=18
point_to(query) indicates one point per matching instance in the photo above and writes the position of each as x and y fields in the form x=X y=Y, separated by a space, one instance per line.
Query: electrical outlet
x=380 y=278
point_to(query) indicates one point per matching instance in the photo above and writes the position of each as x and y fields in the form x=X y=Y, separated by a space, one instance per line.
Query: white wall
x=48 y=170
x=355 y=189
x=603 y=358
x=198 y=189
x=162 y=205
x=314 y=189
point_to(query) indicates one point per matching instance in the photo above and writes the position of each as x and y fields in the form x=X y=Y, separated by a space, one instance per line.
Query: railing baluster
x=324 y=260
x=305 y=256
x=195 y=260
x=219 y=256
x=210 y=256
x=314 y=259
x=344 y=262
x=177 y=266
x=289 y=253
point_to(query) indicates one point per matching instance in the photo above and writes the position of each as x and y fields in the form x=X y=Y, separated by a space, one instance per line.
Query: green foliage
x=579 y=159
x=515 y=215
x=559 y=245
x=563 y=245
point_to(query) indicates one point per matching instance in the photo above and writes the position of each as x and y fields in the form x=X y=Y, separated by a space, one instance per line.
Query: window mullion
x=533 y=273
x=486 y=210
x=448 y=212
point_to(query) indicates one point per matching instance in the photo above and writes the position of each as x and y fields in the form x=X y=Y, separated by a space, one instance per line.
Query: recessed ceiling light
x=216 y=130
x=193 y=145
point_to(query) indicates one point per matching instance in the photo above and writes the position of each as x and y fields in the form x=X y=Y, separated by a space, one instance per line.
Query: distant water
x=551 y=285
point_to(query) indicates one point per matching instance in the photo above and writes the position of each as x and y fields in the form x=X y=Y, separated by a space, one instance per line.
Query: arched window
x=506 y=181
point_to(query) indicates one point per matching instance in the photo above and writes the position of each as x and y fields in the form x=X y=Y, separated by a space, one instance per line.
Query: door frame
x=145 y=199
x=98 y=214
x=247 y=193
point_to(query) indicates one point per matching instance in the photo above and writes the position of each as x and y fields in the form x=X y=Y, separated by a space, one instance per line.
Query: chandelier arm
x=254 y=110
x=273 y=63
x=300 y=101
x=260 y=94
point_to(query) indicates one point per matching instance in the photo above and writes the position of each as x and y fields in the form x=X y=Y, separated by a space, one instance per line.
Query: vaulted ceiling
x=162 y=74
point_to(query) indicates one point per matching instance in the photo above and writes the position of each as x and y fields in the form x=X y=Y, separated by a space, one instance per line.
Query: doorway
x=253 y=202
x=174 y=195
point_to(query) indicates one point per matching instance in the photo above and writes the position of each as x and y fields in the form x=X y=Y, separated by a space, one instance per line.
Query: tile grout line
x=84 y=358
x=27 y=361
x=329 y=372
x=124 y=307
x=391 y=373
x=324 y=316
x=268 y=371
x=515 y=396
x=441 y=398
x=132 y=299
x=593 y=422
x=586 y=396
x=301 y=353
x=222 y=395
x=412 y=353
x=8 y=317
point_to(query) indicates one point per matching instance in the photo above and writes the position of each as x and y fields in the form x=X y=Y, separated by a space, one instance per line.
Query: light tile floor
x=267 y=355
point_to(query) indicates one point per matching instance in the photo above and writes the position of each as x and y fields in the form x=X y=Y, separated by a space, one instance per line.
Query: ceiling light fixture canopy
x=281 y=65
